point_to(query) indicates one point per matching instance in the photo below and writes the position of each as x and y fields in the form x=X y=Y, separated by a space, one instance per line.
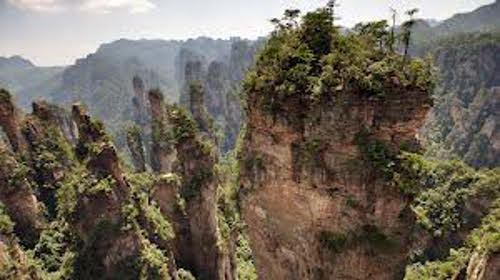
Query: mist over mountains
x=105 y=77
x=315 y=153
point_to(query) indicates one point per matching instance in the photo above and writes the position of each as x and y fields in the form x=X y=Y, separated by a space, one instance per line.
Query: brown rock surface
x=293 y=202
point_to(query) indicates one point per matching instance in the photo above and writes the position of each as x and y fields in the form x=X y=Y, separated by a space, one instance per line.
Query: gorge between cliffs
x=319 y=165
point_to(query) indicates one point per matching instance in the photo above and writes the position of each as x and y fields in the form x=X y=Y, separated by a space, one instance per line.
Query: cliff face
x=73 y=206
x=332 y=182
x=465 y=120
x=307 y=189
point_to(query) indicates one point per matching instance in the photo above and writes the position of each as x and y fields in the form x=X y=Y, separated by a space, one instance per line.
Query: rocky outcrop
x=199 y=110
x=136 y=148
x=18 y=197
x=57 y=116
x=139 y=101
x=183 y=148
x=10 y=121
x=313 y=206
x=197 y=167
x=465 y=120
x=163 y=152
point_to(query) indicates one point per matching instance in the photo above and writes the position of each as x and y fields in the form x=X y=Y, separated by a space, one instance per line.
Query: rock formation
x=465 y=121
x=10 y=121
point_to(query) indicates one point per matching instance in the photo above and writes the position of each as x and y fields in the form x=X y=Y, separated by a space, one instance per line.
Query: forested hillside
x=466 y=120
x=316 y=153
x=105 y=78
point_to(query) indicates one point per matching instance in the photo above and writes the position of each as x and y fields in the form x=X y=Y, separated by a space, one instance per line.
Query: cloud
x=106 y=6
x=38 y=5
x=98 y=6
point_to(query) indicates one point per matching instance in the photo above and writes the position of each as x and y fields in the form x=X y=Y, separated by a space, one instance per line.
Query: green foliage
x=441 y=189
x=230 y=225
x=336 y=242
x=56 y=250
x=439 y=270
x=94 y=140
x=184 y=125
x=141 y=207
x=377 y=32
x=51 y=154
x=144 y=218
x=163 y=137
x=196 y=181
x=245 y=264
x=376 y=238
x=136 y=145
x=303 y=65
x=333 y=241
x=152 y=262
x=483 y=241
x=6 y=224
x=376 y=153
x=14 y=173
x=184 y=275
x=5 y=96
x=317 y=31
x=17 y=264
x=76 y=184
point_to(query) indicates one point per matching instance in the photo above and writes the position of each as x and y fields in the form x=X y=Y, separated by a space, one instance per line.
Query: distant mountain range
x=27 y=80
x=103 y=80
x=484 y=19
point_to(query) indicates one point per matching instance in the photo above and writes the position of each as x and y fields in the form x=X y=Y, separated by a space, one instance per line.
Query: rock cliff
x=328 y=188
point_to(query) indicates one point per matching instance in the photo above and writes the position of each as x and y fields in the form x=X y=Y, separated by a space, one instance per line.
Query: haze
x=56 y=32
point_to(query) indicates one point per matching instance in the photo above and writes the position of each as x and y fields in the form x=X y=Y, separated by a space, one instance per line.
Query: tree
x=330 y=8
x=394 y=14
x=288 y=21
x=375 y=31
x=290 y=17
x=317 y=30
x=407 y=27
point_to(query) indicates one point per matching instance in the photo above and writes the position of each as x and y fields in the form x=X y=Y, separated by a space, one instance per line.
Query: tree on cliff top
x=307 y=63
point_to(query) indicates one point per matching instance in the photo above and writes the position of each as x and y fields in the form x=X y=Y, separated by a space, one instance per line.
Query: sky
x=57 y=32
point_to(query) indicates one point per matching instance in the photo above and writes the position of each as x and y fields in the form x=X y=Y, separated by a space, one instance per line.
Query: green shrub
x=441 y=189
x=6 y=224
x=376 y=153
x=376 y=238
x=5 y=96
x=333 y=241
x=303 y=65
x=76 y=184
x=141 y=208
x=184 y=125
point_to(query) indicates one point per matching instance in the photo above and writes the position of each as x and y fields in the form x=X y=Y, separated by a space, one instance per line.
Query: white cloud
x=106 y=6
x=99 y=6
x=38 y=5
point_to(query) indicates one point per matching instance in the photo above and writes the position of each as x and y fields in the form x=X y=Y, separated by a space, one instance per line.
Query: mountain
x=466 y=121
x=483 y=19
x=329 y=179
x=105 y=77
x=15 y=62
x=27 y=80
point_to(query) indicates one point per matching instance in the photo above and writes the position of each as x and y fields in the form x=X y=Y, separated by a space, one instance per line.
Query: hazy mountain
x=104 y=78
x=27 y=80
x=464 y=122
x=485 y=18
